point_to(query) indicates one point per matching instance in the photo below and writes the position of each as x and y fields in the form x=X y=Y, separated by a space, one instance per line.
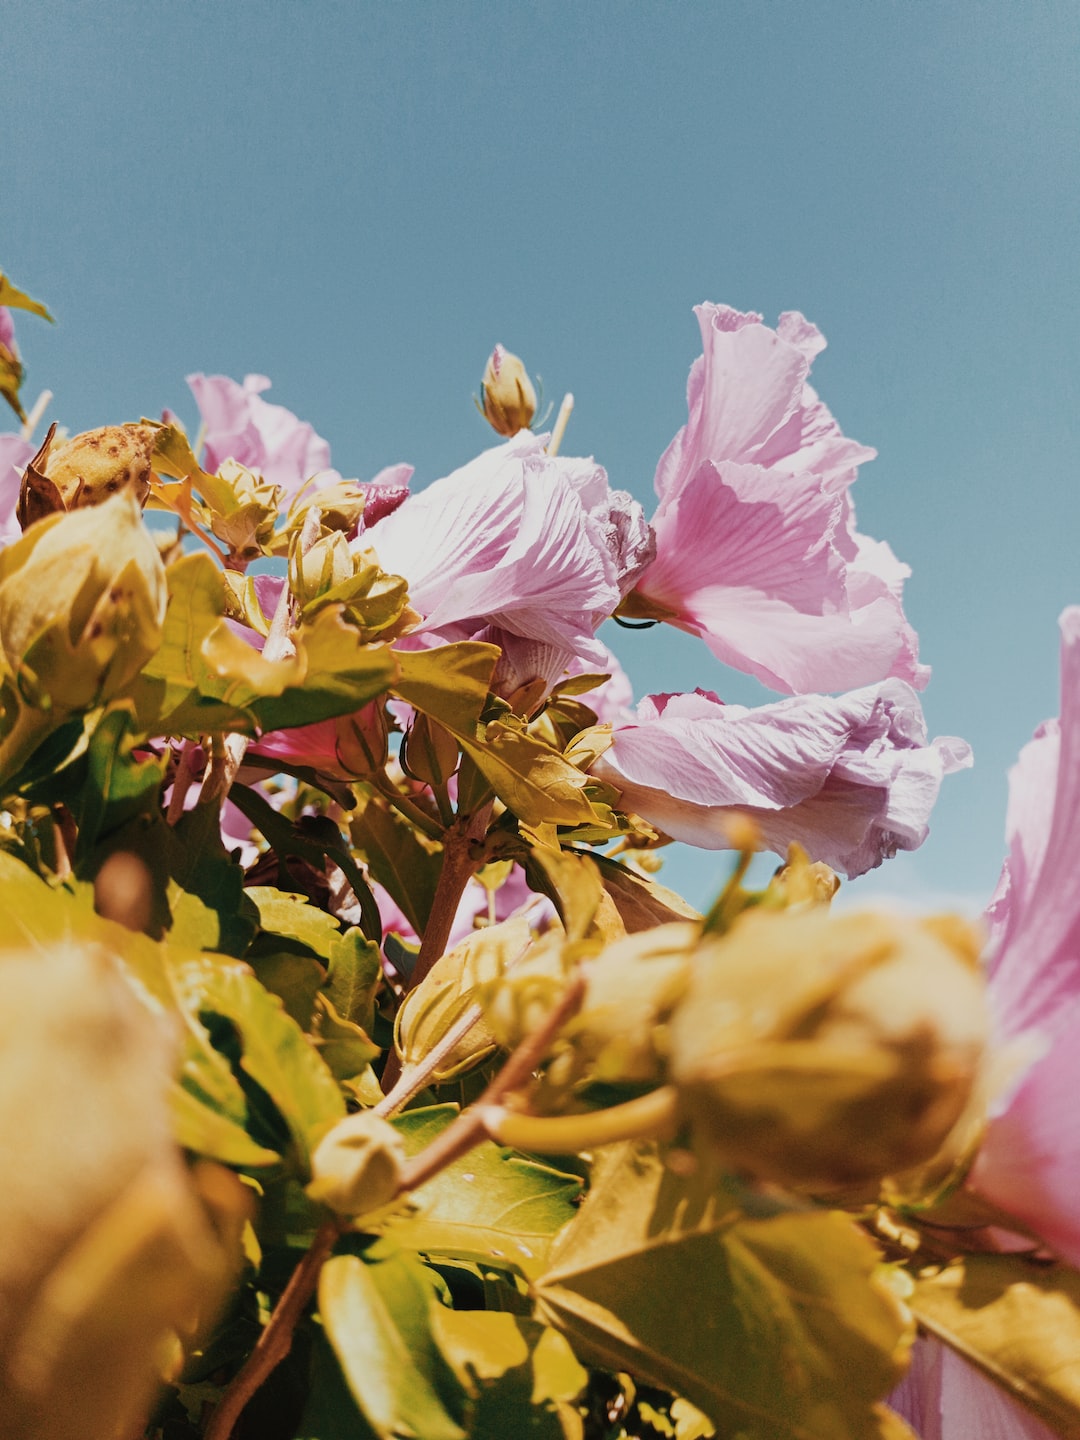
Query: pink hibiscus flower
x=852 y=779
x=521 y=548
x=757 y=550
x=242 y=426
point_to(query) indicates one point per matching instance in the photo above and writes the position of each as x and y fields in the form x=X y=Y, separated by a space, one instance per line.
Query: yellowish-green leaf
x=535 y=782
x=641 y=903
x=517 y=1372
x=214 y=1136
x=376 y=1313
x=776 y=1328
x=16 y=299
x=492 y=1203
x=1019 y=1322
x=276 y=1053
x=574 y=883
x=449 y=683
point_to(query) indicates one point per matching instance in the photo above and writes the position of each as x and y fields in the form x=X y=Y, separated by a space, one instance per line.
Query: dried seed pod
x=87 y=470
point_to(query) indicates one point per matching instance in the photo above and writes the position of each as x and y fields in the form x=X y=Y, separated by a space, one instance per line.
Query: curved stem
x=275 y=1342
x=457 y=1139
x=648 y=1117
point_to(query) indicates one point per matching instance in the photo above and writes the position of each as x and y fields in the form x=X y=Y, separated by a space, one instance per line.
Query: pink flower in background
x=942 y=1397
x=7 y=331
x=852 y=779
x=1029 y=1162
x=15 y=454
x=518 y=544
x=756 y=547
x=242 y=426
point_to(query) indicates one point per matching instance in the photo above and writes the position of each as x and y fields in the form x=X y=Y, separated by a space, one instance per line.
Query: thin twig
x=456 y=1140
x=468 y=1129
x=275 y=1342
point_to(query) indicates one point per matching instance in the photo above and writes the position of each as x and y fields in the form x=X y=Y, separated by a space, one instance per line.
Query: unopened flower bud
x=819 y=1050
x=451 y=986
x=507 y=394
x=88 y=469
x=356 y=1166
x=430 y=753
x=362 y=743
x=82 y=604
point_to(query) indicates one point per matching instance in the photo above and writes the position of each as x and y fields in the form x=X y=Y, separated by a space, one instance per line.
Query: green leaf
x=450 y=683
x=205 y=678
x=282 y=912
x=276 y=1053
x=491 y=1203
x=376 y=1311
x=116 y=787
x=517 y=1372
x=399 y=859
x=285 y=839
x=355 y=976
x=205 y=878
x=344 y=1046
x=1018 y=1320
x=774 y=1327
x=15 y=299
x=535 y=782
x=208 y=1133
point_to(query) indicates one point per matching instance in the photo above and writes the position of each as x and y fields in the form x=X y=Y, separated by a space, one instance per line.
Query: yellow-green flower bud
x=362 y=740
x=507 y=394
x=451 y=986
x=820 y=1050
x=356 y=1166
x=430 y=753
x=82 y=604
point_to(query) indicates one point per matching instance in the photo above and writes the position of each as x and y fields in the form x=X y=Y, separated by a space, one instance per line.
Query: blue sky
x=359 y=199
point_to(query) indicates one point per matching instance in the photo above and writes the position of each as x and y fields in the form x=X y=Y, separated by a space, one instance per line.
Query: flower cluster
x=337 y=784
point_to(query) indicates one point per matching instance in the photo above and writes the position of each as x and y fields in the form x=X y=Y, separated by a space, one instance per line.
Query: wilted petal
x=242 y=426
x=852 y=779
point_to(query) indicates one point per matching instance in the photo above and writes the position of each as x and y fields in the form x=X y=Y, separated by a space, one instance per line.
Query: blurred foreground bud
x=819 y=1050
x=82 y=604
x=356 y=1166
x=87 y=470
x=109 y=1246
x=451 y=986
x=801 y=881
x=507 y=394
x=619 y=1033
x=430 y=753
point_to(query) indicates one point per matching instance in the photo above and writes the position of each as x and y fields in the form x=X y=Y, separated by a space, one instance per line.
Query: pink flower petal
x=266 y=438
x=1035 y=971
x=757 y=550
x=942 y=1397
x=1029 y=1161
x=852 y=779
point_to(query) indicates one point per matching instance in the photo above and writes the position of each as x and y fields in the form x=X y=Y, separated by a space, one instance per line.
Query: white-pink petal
x=853 y=779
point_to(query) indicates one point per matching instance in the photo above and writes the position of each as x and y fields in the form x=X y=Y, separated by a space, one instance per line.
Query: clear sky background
x=359 y=199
